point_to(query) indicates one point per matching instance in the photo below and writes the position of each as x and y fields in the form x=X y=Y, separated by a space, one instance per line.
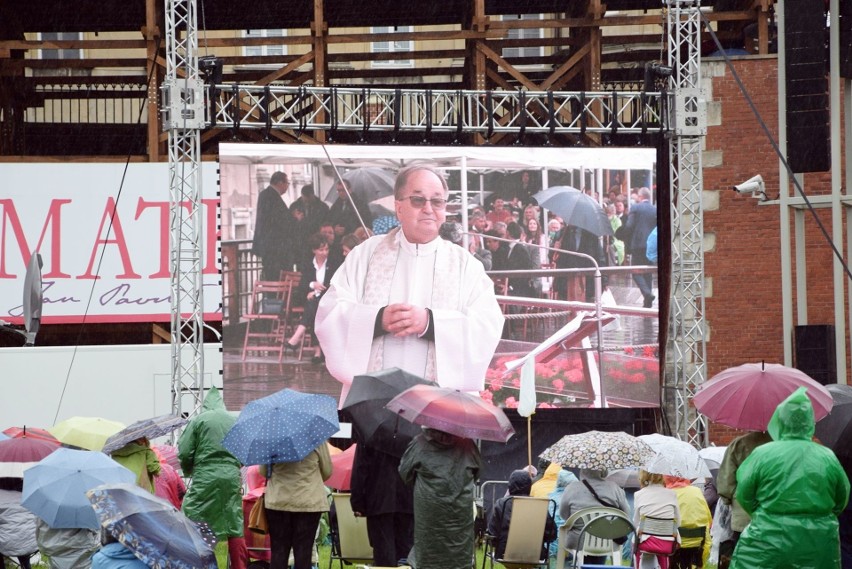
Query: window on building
x=61 y=53
x=524 y=33
x=258 y=50
x=392 y=46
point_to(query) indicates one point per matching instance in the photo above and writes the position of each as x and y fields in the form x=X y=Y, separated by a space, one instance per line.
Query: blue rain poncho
x=794 y=490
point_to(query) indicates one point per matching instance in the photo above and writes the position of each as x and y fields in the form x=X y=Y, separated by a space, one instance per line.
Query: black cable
x=775 y=146
x=103 y=249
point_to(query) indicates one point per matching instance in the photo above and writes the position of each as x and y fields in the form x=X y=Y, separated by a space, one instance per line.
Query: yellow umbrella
x=85 y=432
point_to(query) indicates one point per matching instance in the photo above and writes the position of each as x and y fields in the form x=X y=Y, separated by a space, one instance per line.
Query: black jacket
x=520 y=484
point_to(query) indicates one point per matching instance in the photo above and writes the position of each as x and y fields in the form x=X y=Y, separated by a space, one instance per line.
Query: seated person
x=592 y=490
x=520 y=484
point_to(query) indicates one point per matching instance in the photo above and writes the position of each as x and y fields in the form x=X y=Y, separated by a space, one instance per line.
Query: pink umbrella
x=18 y=454
x=452 y=411
x=745 y=396
x=32 y=432
x=341 y=474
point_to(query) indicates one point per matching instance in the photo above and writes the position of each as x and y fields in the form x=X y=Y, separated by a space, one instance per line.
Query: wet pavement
x=261 y=375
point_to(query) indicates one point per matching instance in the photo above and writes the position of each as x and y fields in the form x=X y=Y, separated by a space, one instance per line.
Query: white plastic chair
x=598 y=539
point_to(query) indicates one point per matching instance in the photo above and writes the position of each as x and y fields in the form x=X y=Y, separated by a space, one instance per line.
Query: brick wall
x=743 y=260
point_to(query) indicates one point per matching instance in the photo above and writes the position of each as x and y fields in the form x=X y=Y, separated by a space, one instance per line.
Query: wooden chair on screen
x=264 y=324
x=294 y=309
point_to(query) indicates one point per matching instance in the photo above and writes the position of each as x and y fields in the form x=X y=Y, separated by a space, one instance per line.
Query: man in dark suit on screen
x=272 y=228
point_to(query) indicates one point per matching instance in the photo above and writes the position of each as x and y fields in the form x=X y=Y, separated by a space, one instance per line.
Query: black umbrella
x=368 y=185
x=366 y=401
x=835 y=430
x=575 y=208
x=148 y=428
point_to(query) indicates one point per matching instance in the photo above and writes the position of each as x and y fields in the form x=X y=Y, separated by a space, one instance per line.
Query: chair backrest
x=659 y=527
x=351 y=531
x=526 y=531
x=596 y=542
x=267 y=289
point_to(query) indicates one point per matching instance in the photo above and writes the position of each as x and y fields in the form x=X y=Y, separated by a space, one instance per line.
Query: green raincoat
x=140 y=460
x=214 y=495
x=443 y=469
x=794 y=489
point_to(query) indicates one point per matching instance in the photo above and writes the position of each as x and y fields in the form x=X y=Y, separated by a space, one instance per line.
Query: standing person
x=295 y=499
x=272 y=228
x=379 y=494
x=443 y=469
x=215 y=495
x=577 y=287
x=344 y=215
x=315 y=209
x=641 y=220
x=519 y=259
x=794 y=489
x=411 y=300
x=138 y=457
x=316 y=277
x=726 y=486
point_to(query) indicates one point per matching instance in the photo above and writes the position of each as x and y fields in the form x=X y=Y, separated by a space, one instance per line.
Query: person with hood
x=592 y=490
x=547 y=481
x=114 y=555
x=138 y=457
x=694 y=513
x=726 y=487
x=564 y=478
x=443 y=469
x=215 y=493
x=66 y=548
x=794 y=489
x=520 y=484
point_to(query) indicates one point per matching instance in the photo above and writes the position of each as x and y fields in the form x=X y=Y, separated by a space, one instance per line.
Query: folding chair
x=349 y=540
x=264 y=330
x=526 y=535
x=662 y=534
x=600 y=527
x=691 y=557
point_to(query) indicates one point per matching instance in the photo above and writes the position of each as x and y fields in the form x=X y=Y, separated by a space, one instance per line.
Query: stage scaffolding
x=190 y=106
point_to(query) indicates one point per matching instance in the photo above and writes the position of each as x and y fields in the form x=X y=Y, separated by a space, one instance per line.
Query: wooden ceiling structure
x=103 y=101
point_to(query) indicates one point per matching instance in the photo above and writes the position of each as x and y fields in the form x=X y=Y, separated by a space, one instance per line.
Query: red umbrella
x=32 y=432
x=745 y=396
x=341 y=475
x=453 y=412
x=18 y=454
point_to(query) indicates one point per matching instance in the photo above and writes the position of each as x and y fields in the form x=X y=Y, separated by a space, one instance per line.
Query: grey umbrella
x=575 y=208
x=149 y=428
x=835 y=431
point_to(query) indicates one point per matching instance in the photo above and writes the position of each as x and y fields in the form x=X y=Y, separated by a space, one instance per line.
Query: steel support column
x=183 y=119
x=687 y=341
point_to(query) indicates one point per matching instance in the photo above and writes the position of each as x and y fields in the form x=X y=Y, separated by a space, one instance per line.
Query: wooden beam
x=565 y=67
x=292 y=66
x=493 y=56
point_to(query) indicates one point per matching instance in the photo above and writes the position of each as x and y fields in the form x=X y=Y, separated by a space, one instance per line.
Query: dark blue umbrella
x=283 y=427
x=153 y=529
x=575 y=208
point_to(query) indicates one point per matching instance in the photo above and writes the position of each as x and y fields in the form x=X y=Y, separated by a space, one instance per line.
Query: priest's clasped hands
x=405 y=319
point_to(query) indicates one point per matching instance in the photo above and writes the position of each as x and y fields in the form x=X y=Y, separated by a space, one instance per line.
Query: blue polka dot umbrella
x=283 y=427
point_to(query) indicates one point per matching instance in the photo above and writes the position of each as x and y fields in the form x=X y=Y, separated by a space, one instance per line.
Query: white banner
x=103 y=235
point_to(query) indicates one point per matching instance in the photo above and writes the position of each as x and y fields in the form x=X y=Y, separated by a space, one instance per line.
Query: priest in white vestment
x=411 y=300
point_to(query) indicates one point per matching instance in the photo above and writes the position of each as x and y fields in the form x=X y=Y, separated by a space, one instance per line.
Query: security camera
x=753 y=185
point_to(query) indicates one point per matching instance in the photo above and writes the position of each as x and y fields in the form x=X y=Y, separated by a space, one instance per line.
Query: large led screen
x=554 y=320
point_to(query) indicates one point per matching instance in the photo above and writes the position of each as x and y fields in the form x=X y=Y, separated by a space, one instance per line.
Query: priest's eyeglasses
x=419 y=202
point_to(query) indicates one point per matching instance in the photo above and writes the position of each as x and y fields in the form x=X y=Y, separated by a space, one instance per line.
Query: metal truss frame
x=183 y=118
x=687 y=339
x=391 y=110
x=681 y=112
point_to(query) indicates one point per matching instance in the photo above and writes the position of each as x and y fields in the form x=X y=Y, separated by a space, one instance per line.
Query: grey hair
x=405 y=173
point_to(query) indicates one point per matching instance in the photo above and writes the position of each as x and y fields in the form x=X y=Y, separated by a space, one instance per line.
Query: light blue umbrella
x=55 y=488
x=283 y=427
x=3 y=436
